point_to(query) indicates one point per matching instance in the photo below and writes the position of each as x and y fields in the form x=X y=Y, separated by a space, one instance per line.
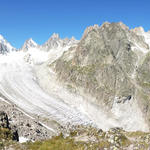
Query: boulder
x=4 y=122
x=15 y=136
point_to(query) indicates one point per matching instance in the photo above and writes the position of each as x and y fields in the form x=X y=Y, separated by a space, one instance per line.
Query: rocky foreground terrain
x=77 y=138
x=27 y=127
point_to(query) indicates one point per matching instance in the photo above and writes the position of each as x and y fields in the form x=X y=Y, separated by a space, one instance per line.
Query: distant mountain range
x=54 y=42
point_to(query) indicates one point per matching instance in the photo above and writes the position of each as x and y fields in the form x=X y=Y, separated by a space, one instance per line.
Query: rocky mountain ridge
x=54 y=42
x=109 y=64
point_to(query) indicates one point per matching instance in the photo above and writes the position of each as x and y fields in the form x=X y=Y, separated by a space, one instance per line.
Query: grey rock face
x=102 y=62
x=110 y=61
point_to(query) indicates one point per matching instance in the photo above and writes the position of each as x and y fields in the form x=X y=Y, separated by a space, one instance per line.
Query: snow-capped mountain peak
x=29 y=44
x=138 y=30
x=1 y=37
x=146 y=35
x=5 y=46
x=55 y=36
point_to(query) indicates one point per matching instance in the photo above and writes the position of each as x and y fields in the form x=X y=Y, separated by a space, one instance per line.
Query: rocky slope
x=110 y=68
x=29 y=129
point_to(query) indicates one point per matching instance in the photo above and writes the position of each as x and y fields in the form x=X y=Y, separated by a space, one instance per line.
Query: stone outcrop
x=4 y=124
x=15 y=136
x=30 y=129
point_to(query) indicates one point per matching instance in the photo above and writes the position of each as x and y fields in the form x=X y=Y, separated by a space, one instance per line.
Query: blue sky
x=38 y=19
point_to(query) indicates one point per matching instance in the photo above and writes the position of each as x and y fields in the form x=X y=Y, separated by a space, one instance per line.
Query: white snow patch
x=23 y=139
